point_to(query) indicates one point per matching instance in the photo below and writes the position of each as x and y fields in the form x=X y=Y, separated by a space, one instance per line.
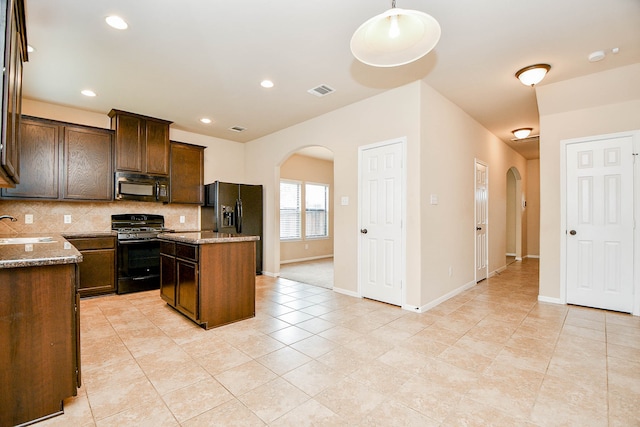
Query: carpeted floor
x=318 y=272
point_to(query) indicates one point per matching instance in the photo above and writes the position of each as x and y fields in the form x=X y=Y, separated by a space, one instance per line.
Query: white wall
x=390 y=115
x=596 y=104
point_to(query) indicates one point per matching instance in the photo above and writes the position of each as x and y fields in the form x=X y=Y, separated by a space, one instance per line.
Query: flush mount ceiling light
x=88 y=92
x=533 y=74
x=116 y=22
x=266 y=84
x=395 y=37
x=205 y=120
x=522 y=132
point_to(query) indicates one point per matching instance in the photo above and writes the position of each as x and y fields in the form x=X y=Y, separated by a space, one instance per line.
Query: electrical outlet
x=28 y=219
x=67 y=219
x=182 y=219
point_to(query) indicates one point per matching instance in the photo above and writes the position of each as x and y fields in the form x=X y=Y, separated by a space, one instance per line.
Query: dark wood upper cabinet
x=63 y=161
x=13 y=41
x=142 y=143
x=86 y=161
x=187 y=173
x=39 y=159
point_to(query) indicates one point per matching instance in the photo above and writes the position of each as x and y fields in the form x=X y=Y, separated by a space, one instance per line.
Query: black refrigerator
x=234 y=208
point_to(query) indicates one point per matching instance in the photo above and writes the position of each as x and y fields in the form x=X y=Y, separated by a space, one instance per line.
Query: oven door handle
x=131 y=242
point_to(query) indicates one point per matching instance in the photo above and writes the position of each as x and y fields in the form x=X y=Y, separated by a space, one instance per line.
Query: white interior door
x=600 y=223
x=381 y=210
x=481 y=216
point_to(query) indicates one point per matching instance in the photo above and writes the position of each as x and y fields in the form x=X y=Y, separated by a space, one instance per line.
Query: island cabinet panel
x=187 y=173
x=142 y=143
x=98 y=266
x=212 y=284
x=168 y=272
x=39 y=336
x=227 y=282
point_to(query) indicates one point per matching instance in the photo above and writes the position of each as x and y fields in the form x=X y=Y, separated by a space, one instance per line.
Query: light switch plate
x=434 y=199
x=28 y=219
x=182 y=219
x=67 y=219
x=344 y=200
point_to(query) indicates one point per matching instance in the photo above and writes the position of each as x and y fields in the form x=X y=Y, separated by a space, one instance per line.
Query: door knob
x=364 y=231
x=573 y=232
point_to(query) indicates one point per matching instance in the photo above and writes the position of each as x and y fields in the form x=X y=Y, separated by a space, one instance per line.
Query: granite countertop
x=88 y=234
x=46 y=249
x=206 y=237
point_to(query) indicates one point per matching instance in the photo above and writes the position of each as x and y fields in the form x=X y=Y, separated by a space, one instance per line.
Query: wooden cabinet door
x=187 y=288
x=157 y=148
x=13 y=42
x=39 y=156
x=87 y=169
x=168 y=278
x=97 y=272
x=129 y=143
x=187 y=173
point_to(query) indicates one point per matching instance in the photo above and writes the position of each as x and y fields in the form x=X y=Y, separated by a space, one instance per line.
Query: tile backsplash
x=48 y=216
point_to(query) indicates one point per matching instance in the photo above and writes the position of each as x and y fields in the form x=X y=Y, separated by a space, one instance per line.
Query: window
x=290 y=210
x=317 y=210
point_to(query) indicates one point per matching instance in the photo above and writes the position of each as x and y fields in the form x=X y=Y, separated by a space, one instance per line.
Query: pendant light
x=395 y=37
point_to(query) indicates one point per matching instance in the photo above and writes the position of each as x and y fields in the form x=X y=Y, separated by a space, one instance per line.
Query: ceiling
x=183 y=60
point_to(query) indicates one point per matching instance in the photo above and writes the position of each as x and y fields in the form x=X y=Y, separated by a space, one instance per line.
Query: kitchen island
x=39 y=326
x=209 y=277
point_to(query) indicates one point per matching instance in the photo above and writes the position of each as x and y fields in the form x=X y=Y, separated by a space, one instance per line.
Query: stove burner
x=137 y=227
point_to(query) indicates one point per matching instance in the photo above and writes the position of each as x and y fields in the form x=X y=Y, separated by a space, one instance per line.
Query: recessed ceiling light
x=30 y=48
x=116 y=22
x=266 y=84
x=205 y=120
x=88 y=92
x=596 y=56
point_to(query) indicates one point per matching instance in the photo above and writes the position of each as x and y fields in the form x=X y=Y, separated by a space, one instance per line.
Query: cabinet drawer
x=167 y=248
x=187 y=251
x=91 y=243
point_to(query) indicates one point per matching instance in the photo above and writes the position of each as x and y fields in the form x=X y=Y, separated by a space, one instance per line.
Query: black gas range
x=138 y=251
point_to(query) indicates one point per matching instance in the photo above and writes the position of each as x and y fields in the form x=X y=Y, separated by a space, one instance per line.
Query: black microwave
x=143 y=188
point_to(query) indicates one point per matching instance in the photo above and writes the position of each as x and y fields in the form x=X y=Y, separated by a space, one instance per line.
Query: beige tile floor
x=492 y=355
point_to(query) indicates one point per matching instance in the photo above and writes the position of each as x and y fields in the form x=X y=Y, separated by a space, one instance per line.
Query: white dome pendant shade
x=395 y=37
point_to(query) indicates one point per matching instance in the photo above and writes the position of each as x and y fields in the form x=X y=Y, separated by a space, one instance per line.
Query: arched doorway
x=305 y=212
x=513 y=223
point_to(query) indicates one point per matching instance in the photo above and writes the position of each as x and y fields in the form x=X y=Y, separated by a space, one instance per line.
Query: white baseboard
x=347 y=292
x=551 y=300
x=313 y=258
x=532 y=256
x=442 y=299
x=510 y=254
x=270 y=274
x=498 y=271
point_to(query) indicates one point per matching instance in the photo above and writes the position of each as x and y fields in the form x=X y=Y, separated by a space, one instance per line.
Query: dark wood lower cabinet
x=98 y=267
x=212 y=284
x=39 y=341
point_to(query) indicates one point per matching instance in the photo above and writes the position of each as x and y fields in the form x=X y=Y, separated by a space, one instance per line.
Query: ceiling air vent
x=321 y=90
x=237 y=128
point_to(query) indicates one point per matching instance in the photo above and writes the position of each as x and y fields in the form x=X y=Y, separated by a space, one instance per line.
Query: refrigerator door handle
x=239 y=215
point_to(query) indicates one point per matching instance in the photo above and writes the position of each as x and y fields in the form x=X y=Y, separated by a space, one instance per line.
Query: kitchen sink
x=25 y=240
